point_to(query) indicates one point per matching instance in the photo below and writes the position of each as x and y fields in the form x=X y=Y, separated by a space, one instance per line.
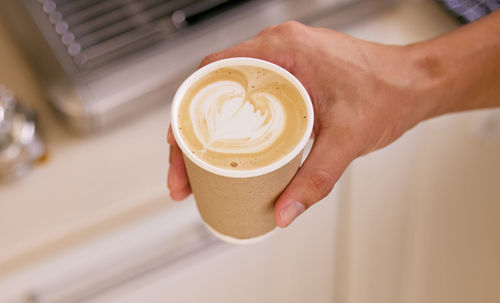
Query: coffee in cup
x=242 y=117
x=242 y=124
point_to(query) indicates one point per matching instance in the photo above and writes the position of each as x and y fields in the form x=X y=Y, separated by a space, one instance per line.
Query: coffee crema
x=242 y=117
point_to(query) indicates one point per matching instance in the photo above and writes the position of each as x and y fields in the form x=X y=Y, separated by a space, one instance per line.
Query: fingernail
x=292 y=211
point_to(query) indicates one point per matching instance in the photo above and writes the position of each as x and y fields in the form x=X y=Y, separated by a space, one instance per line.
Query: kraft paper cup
x=237 y=206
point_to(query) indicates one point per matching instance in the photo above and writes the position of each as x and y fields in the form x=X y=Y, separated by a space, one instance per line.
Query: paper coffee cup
x=238 y=205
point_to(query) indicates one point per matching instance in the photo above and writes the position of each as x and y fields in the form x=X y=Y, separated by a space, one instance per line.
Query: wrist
x=460 y=70
x=431 y=78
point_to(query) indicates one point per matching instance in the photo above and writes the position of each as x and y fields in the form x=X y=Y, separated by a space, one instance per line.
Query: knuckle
x=283 y=28
x=322 y=182
x=209 y=59
x=290 y=27
x=267 y=30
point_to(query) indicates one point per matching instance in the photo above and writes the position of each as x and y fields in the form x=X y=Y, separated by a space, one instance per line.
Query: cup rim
x=238 y=241
x=183 y=88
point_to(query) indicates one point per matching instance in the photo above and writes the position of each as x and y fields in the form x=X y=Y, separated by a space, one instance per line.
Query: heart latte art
x=227 y=120
x=242 y=117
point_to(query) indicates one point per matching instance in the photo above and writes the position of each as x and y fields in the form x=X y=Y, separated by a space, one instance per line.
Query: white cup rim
x=181 y=91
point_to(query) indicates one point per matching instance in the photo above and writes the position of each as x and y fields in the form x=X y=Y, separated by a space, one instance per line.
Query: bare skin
x=365 y=95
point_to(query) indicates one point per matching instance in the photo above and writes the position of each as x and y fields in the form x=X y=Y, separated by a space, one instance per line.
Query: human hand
x=365 y=95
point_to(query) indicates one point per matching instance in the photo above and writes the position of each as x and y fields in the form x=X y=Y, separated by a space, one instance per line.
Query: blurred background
x=84 y=210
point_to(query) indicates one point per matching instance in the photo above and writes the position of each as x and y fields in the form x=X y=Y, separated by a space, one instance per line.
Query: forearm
x=461 y=69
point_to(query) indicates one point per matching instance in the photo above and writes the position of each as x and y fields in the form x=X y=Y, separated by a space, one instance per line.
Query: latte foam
x=242 y=117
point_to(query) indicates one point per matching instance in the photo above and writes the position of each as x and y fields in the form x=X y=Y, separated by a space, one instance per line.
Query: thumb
x=314 y=180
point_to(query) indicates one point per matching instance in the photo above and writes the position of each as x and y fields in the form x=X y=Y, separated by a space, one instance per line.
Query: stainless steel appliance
x=20 y=142
x=105 y=61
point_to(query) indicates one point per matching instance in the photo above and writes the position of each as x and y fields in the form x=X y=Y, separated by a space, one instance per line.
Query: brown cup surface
x=239 y=207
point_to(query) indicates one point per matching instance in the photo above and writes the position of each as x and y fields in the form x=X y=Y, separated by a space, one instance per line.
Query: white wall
x=424 y=213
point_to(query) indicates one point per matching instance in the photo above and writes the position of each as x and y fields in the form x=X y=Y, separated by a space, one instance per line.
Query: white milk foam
x=226 y=120
x=242 y=117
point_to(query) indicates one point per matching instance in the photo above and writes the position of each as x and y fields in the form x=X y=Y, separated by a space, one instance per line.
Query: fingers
x=244 y=49
x=177 y=177
x=274 y=44
x=264 y=47
x=170 y=136
x=314 y=180
x=177 y=183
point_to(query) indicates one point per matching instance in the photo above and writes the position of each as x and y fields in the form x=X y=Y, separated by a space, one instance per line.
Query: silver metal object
x=102 y=62
x=20 y=144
